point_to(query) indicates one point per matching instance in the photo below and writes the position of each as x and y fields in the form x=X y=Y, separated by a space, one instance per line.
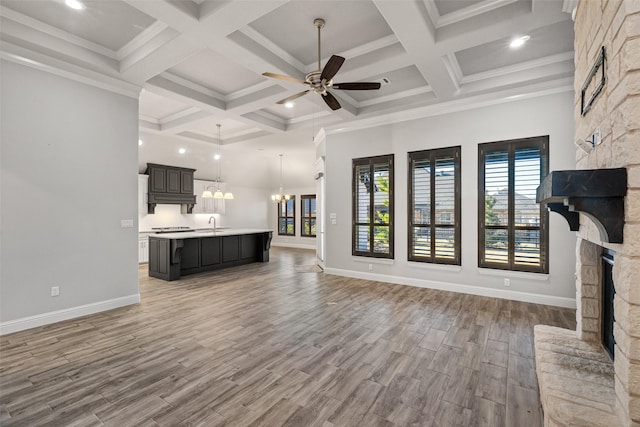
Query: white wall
x=69 y=175
x=296 y=241
x=550 y=115
x=248 y=209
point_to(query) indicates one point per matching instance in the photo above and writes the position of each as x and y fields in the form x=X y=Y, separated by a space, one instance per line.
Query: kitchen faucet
x=214 y=221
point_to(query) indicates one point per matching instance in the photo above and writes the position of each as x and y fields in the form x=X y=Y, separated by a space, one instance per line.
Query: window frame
x=371 y=161
x=542 y=143
x=304 y=215
x=287 y=216
x=432 y=155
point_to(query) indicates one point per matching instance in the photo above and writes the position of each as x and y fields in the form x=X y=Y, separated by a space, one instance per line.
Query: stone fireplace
x=579 y=382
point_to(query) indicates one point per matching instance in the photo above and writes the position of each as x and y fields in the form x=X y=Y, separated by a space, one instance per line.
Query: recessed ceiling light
x=289 y=104
x=140 y=142
x=74 y=4
x=216 y=156
x=182 y=150
x=518 y=42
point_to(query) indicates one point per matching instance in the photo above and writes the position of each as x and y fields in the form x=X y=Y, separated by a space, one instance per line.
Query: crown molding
x=20 y=55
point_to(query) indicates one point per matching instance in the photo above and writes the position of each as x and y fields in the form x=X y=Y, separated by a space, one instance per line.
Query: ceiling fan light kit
x=321 y=80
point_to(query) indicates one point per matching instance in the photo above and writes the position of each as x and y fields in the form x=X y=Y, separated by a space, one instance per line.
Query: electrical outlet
x=55 y=291
x=126 y=223
x=507 y=282
x=370 y=267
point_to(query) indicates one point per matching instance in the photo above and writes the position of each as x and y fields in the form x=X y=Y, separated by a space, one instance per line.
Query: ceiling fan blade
x=292 y=97
x=283 y=77
x=357 y=86
x=331 y=101
x=331 y=67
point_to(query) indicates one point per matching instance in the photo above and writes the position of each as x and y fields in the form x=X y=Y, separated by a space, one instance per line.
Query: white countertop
x=217 y=233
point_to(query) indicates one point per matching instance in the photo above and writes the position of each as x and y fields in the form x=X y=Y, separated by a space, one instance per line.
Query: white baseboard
x=456 y=287
x=293 y=245
x=66 y=314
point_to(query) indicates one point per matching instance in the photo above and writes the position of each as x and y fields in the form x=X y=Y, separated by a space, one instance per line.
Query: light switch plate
x=126 y=223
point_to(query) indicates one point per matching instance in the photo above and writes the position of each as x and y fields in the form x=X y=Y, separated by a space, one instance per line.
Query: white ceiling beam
x=410 y=24
x=485 y=29
x=166 y=87
x=256 y=117
x=160 y=58
x=58 y=44
x=179 y=124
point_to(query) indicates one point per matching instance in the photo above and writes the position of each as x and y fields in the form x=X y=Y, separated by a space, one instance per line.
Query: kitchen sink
x=210 y=229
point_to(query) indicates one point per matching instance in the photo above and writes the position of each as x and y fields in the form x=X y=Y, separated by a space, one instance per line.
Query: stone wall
x=614 y=24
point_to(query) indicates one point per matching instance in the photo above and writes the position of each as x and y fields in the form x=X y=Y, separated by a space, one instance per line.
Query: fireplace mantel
x=597 y=193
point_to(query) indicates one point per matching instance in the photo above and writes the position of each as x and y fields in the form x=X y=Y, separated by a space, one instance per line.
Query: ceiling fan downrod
x=319 y=23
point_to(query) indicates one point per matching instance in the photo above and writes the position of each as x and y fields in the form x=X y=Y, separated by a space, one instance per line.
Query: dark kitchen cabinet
x=249 y=246
x=157 y=180
x=186 y=181
x=210 y=251
x=170 y=185
x=190 y=254
x=174 y=183
x=230 y=248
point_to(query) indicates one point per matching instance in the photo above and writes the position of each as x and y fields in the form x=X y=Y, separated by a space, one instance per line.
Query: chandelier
x=217 y=194
x=278 y=197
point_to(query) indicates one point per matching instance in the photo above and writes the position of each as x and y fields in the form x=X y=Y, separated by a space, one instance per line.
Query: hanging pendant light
x=280 y=195
x=217 y=194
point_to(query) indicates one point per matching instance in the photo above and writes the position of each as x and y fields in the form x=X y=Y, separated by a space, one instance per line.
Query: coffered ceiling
x=200 y=62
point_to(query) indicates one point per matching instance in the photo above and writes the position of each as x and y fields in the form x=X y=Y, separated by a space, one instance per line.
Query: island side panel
x=164 y=261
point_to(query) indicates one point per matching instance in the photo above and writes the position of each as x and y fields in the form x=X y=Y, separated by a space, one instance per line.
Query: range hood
x=597 y=193
x=170 y=185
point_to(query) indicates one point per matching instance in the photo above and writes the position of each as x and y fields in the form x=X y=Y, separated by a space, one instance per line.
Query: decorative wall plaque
x=594 y=83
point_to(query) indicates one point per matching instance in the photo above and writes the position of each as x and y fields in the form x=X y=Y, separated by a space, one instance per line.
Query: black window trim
x=541 y=142
x=370 y=161
x=309 y=217
x=293 y=215
x=432 y=155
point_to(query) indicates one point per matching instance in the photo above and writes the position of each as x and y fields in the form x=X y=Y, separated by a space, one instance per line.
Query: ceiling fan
x=322 y=79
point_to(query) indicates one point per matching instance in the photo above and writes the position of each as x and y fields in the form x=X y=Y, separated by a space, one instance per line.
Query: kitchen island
x=172 y=255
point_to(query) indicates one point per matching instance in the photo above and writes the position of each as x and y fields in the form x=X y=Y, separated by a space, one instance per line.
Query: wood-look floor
x=275 y=344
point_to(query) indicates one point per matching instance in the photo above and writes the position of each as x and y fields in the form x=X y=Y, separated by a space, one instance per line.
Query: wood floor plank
x=271 y=344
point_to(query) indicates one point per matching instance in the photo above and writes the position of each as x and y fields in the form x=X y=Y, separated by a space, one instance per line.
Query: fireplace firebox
x=608 y=292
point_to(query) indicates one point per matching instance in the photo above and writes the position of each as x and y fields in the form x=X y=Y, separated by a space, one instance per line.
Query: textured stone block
x=608 y=12
x=588 y=253
x=603 y=153
x=626 y=145
x=631 y=110
x=632 y=240
x=590 y=291
x=632 y=206
x=591 y=325
x=590 y=307
x=588 y=274
x=627 y=316
x=633 y=176
x=626 y=276
x=629 y=374
x=629 y=85
x=629 y=54
x=631 y=6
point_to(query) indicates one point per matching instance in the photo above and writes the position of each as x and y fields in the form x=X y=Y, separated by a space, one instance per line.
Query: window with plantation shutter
x=372 y=186
x=286 y=217
x=308 y=215
x=512 y=227
x=434 y=206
